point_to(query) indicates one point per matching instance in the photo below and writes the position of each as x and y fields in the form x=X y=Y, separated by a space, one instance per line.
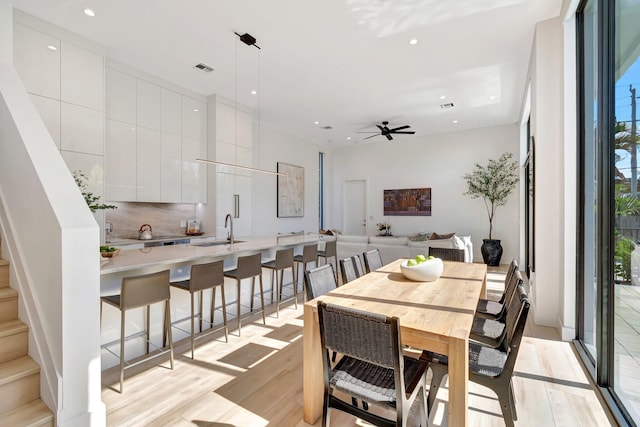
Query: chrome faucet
x=229 y=219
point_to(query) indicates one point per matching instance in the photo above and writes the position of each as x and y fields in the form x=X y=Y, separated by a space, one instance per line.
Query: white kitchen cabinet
x=82 y=77
x=49 y=110
x=37 y=65
x=120 y=161
x=194 y=119
x=194 y=174
x=121 y=96
x=225 y=189
x=225 y=123
x=171 y=112
x=148 y=165
x=148 y=105
x=244 y=130
x=170 y=168
x=82 y=129
x=242 y=224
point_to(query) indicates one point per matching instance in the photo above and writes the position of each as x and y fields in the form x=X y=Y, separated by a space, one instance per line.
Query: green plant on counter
x=92 y=201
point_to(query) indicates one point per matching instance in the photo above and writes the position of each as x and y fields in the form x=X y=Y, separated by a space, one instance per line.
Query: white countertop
x=123 y=241
x=165 y=255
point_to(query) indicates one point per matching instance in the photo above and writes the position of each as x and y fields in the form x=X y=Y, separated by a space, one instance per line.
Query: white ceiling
x=344 y=63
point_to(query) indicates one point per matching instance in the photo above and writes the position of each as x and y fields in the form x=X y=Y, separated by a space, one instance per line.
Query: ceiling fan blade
x=407 y=132
x=371 y=136
x=388 y=136
x=381 y=128
x=400 y=128
x=372 y=131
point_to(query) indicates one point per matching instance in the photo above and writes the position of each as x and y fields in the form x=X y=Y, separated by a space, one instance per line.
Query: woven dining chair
x=372 y=260
x=319 y=281
x=496 y=310
x=490 y=367
x=372 y=367
x=350 y=269
x=447 y=254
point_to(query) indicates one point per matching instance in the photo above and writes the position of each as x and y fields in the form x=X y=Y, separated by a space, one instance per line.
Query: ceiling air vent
x=446 y=106
x=203 y=67
x=327 y=127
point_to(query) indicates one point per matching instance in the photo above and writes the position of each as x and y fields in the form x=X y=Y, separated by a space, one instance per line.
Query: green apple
x=411 y=263
x=420 y=258
x=431 y=257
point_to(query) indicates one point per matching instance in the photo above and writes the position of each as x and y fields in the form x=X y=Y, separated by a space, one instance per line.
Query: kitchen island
x=178 y=259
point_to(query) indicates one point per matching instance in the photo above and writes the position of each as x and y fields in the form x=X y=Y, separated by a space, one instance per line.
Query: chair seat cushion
x=488 y=328
x=231 y=273
x=371 y=382
x=112 y=299
x=490 y=307
x=269 y=264
x=483 y=360
x=182 y=284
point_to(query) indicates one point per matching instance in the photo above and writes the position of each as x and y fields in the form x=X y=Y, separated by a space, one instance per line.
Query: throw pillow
x=436 y=236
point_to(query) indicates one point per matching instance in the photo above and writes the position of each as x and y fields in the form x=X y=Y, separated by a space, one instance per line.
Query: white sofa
x=392 y=248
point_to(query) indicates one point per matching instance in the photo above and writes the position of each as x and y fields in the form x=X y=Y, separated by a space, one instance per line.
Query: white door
x=355 y=207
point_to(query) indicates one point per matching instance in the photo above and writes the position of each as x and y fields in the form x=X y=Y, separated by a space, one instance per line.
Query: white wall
x=438 y=162
x=272 y=146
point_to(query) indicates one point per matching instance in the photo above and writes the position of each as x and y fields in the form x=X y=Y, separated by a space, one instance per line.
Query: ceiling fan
x=384 y=130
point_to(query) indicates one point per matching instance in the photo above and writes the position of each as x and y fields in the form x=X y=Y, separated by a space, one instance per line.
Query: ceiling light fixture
x=413 y=42
x=316 y=123
x=52 y=47
x=349 y=138
x=253 y=92
x=492 y=97
x=231 y=165
x=89 y=12
x=195 y=110
x=455 y=121
x=442 y=97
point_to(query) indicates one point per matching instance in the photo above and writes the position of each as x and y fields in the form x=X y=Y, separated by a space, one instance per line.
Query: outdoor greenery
x=625 y=205
x=493 y=183
x=92 y=201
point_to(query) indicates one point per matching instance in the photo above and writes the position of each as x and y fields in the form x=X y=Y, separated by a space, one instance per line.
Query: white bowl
x=426 y=271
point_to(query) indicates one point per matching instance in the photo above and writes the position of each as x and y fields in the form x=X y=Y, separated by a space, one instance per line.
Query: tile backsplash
x=164 y=218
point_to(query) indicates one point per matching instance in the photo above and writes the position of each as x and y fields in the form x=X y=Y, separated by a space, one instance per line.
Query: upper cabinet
x=194 y=119
x=82 y=77
x=36 y=57
x=148 y=105
x=170 y=112
x=121 y=90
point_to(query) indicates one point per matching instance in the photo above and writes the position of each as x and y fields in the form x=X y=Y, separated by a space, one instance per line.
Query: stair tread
x=34 y=413
x=7 y=293
x=18 y=368
x=12 y=327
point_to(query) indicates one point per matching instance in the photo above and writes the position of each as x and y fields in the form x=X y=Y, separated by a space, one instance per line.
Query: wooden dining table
x=434 y=316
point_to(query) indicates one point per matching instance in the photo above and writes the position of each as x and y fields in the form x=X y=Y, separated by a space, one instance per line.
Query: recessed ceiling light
x=492 y=97
x=349 y=138
x=253 y=92
x=413 y=41
x=195 y=110
x=442 y=97
x=316 y=123
x=52 y=47
x=455 y=121
x=89 y=12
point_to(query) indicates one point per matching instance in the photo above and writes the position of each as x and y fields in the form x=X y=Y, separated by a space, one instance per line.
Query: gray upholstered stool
x=284 y=260
x=309 y=254
x=249 y=266
x=136 y=292
x=201 y=278
x=329 y=252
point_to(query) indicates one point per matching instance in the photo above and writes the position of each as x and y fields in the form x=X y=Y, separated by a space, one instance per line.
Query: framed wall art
x=407 y=202
x=290 y=191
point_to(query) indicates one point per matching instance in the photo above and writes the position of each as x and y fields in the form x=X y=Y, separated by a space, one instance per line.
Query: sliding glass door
x=609 y=222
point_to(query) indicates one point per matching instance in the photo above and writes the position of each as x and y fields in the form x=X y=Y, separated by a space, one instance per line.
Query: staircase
x=20 y=404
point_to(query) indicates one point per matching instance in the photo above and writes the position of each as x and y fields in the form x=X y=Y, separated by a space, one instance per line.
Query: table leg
x=312 y=373
x=458 y=379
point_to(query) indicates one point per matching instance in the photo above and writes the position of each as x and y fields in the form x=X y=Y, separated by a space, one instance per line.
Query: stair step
x=34 y=414
x=8 y=304
x=19 y=383
x=14 y=340
x=4 y=273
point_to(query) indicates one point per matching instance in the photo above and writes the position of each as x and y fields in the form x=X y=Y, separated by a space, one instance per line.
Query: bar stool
x=136 y=292
x=309 y=254
x=249 y=266
x=284 y=260
x=201 y=278
x=329 y=252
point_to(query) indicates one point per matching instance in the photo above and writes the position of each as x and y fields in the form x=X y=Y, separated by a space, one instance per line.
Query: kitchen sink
x=216 y=243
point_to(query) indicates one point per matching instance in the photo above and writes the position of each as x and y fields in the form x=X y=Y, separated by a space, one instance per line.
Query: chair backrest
x=319 y=281
x=205 y=276
x=249 y=266
x=513 y=267
x=348 y=270
x=284 y=258
x=512 y=285
x=372 y=260
x=447 y=254
x=310 y=253
x=516 y=321
x=363 y=335
x=357 y=265
x=146 y=289
x=330 y=248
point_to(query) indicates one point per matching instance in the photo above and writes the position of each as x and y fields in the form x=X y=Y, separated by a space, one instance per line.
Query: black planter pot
x=491 y=251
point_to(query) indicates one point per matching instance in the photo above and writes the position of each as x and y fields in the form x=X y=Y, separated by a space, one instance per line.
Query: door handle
x=236 y=206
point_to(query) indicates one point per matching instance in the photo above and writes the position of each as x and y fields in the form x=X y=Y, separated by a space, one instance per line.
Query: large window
x=609 y=226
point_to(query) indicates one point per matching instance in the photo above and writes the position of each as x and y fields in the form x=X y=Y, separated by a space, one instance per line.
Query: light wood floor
x=256 y=380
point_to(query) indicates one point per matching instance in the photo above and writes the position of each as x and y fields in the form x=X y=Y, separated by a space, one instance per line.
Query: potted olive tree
x=494 y=183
